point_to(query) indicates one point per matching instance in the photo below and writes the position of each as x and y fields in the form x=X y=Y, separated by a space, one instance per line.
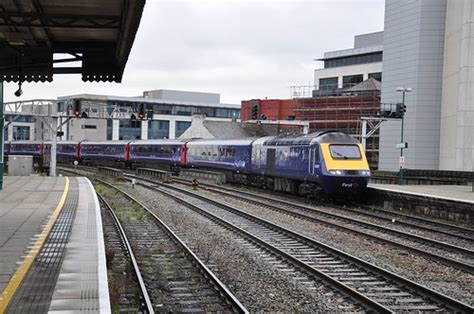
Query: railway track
x=175 y=278
x=127 y=293
x=387 y=215
x=373 y=288
x=454 y=256
x=448 y=254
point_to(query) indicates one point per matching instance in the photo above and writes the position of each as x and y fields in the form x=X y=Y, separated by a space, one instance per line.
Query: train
x=328 y=162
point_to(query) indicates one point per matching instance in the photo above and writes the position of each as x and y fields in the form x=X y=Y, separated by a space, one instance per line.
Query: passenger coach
x=231 y=156
x=164 y=154
x=107 y=153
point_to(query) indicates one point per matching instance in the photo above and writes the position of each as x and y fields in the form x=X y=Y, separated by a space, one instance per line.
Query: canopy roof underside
x=97 y=35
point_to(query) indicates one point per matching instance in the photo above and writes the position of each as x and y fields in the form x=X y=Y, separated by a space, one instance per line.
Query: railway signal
x=141 y=112
x=255 y=110
x=401 y=110
x=77 y=108
x=78 y=113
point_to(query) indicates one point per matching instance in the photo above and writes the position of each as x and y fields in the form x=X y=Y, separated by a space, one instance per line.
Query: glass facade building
x=21 y=133
x=164 y=118
x=352 y=60
x=158 y=129
x=181 y=126
x=129 y=130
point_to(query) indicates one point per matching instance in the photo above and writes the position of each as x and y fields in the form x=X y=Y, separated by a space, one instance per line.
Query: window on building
x=328 y=83
x=158 y=129
x=181 y=126
x=209 y=112
x=21 y=133
x=182 y=110
x=129 y=129
x=222 y=113
x=162 y=109
x=351 y=60
x=89 y=126
x=351 y=80
x=376 y=75
x=109 y=129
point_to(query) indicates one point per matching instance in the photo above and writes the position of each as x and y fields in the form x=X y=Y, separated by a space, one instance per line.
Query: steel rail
x=401 y=222
x=439 y=244
x=446 y=260
x=227 y=294
x=431 y=294
x=136 y=269
x=461 y=230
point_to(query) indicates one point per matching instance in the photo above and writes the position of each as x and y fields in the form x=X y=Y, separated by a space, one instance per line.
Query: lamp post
x=402 y=170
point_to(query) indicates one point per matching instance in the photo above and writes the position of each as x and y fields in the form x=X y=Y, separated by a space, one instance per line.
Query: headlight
x=332 y=172
x=338 y=172
x=365 y=172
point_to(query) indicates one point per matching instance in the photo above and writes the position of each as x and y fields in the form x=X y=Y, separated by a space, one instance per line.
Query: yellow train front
x=343 y=168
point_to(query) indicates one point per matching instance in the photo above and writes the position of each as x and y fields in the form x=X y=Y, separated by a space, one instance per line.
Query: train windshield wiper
x=341 y=155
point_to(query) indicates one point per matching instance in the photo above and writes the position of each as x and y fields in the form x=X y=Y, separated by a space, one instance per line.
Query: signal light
x=255 y=110
x=77 y=108
x=141 y=112
x=401 y=110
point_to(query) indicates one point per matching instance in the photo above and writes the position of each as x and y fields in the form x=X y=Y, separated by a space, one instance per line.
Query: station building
x=171 y=114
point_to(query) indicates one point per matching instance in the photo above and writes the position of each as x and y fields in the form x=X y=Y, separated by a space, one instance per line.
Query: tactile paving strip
x=35 y=292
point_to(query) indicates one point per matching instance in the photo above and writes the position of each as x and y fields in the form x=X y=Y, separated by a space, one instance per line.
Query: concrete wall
x=174 y=95
x=366 y=40
x=413 y=57
x=457 y=112
x=77 y=132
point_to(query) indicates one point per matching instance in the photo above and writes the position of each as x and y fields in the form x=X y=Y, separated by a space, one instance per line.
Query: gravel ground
x=387 y=235
x=256 y=282
x=381 y=222
x=456 y=284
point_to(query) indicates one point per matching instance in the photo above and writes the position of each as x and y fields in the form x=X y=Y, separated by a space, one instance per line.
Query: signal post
x=2 y=139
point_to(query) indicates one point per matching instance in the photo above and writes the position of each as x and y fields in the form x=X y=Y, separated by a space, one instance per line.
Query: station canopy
x=95 y=34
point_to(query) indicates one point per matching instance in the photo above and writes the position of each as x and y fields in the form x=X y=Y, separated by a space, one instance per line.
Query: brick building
x=340 y=109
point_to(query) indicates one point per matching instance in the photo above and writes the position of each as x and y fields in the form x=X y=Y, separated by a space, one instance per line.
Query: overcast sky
x=240 y=49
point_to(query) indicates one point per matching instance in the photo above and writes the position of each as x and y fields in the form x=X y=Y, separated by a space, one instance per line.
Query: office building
x=426 y=47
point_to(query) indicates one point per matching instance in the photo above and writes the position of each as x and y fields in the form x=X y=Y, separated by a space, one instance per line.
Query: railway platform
x=457 y=193
x=449 y=202
x=52 y=256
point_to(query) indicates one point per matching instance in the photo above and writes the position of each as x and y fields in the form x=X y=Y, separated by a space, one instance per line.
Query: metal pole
x=54 y=137
x=2 y=139
x=364 y=133
x=402 y=170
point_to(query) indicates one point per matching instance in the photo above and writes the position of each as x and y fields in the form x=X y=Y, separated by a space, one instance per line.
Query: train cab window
x=339 y=151
x=317 y=155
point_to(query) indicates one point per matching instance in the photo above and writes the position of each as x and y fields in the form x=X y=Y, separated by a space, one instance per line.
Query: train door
x=314 y=159
x=270 y=160
x=183 y=155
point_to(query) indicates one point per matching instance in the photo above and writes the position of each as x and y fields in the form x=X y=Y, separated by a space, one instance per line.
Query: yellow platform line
x=14 y=283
